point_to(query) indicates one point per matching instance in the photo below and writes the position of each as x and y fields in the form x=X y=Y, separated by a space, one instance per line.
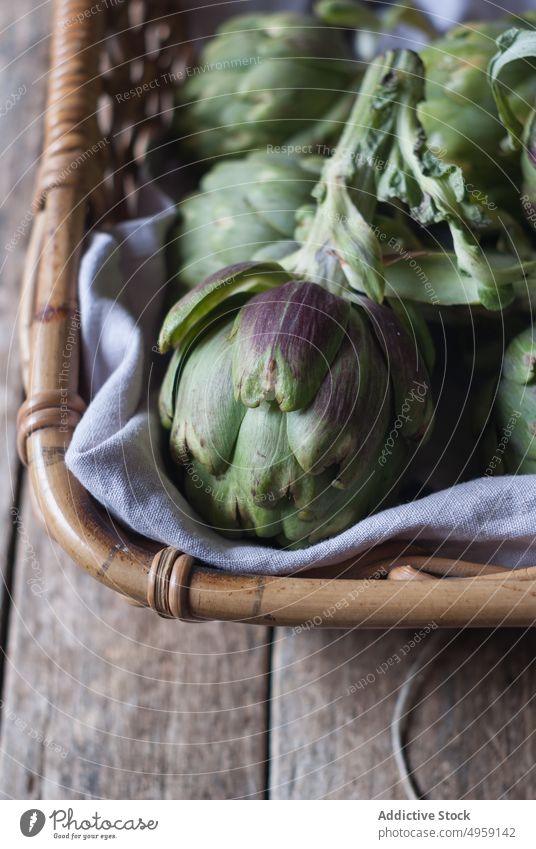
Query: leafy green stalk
x=383 y=156
x=341 y=247
x=435 y=192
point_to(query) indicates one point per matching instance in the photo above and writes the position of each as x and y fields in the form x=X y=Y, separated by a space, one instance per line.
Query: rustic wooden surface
x=102 y=700
x=21 y=144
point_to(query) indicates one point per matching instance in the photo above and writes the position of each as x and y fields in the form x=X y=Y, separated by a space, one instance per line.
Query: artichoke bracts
x=264 y=79
x=459 y=114
x=294 y=402
x=293 y=412
x=515 y=405
x=244 y=209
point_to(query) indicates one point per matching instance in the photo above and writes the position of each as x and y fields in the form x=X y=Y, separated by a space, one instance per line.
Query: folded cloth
x=118 y=451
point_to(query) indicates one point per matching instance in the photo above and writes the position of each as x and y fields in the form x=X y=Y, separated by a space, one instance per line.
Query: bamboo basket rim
x=422 y=589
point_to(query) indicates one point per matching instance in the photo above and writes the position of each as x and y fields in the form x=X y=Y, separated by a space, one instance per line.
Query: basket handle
x=73 y=147
x=201 y=594
x=68 y=182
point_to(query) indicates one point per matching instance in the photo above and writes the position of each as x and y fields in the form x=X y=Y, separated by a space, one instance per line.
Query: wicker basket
x=94 y=55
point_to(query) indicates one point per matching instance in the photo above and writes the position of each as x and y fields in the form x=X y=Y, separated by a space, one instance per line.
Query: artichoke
x=294 y=402
x=293 y=412
x=459 y=114
x=515 y=405
x=244 y=209
x=264 y=79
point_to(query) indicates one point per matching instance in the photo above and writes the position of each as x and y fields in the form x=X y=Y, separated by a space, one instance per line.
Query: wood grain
x=23 y=55
x=331 y=712
x=105 y=700
x=472 y=732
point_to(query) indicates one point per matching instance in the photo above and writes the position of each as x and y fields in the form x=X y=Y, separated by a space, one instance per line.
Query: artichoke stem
x=341 y=248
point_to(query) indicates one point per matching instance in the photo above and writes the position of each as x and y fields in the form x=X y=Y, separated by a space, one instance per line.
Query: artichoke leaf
x=332 y=430
x=513 y=45
x=207 y=416
x=166 y=398
x=285 y=341
x=407 y=371
x=193 y=313
x=263 y=465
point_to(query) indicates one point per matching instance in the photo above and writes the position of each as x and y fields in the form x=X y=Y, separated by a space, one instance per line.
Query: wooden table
x=101 y=700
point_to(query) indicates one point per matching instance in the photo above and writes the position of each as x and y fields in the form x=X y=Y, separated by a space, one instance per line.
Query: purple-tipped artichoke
x=293 y=411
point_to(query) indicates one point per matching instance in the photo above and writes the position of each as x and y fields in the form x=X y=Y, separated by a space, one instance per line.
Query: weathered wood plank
x=23 y=54
x=470 y=735
x=103 y=700
x=331 y=713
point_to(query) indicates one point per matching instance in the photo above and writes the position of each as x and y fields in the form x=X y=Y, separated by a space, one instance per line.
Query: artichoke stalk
x=295 y=403
x=266 y=79
x=255 y=207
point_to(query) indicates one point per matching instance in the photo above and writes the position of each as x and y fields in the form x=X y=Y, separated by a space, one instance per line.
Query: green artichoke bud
x=460 y=116
x=294 y=402
x=244 y=209
x=515 y=405
x=263 y=80
x=293 y=412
